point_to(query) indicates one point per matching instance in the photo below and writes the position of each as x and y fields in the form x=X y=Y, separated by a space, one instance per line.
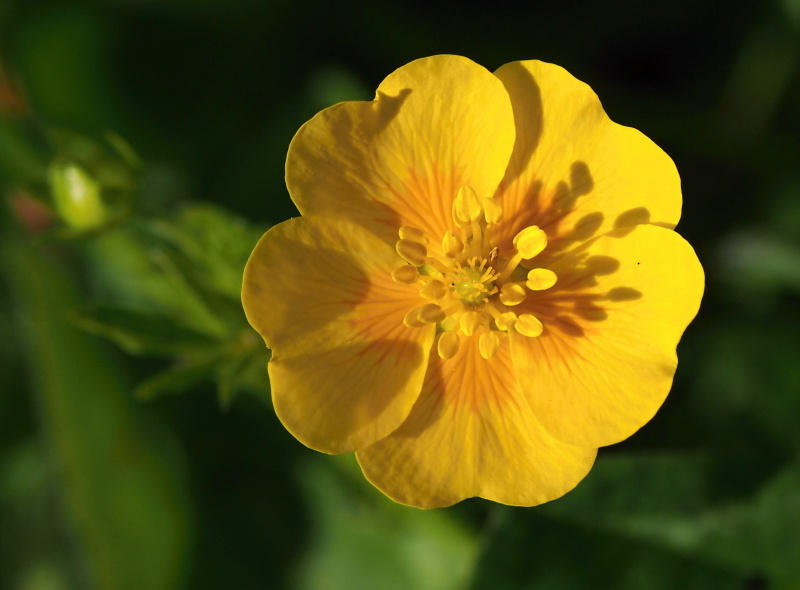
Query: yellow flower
x=484 y=285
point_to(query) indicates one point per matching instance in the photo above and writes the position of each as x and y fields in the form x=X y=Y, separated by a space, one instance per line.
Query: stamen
x=530 y=241
x=476 y=242
x=405 y=275
x=463 y=277
x=452 y=245
x=488 y=344
x=466 y=207
x=512 y=294
x=492 y=211
x=437 y=264
x=505 y=321
x=453 y=308
x=435 y=289
x=511 y=266
x=529 y=325
x=411 y=320
x=412 y=233
x=540 y=279
x=470 y=321
x=430 y=313
x=412 y=252
x=489 y=307
x=448 y=344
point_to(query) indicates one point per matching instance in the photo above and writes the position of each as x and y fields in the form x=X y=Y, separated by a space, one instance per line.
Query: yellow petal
x=472 y=433
x=574 y=172
x=605 y=361
x=436 y=125
x=345 y=371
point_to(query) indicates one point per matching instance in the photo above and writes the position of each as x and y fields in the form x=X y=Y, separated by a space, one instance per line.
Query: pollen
x=466 y=288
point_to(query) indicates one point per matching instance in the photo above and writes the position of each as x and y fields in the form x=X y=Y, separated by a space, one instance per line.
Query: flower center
x=474 y=284
x=471 y=289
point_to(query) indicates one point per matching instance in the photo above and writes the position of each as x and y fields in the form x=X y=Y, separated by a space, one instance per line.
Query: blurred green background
x=142 y=145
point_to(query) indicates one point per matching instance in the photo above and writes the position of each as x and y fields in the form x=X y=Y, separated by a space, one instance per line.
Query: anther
x=488 y=344
x=430 y=313
x=412 y=233
x=448 y=344
x=492 y=211
x=466 y=207
x=470 y=321
x=435 y=289
x=412 y=252
x=411 y=319
x=529 y=325
x=405 y=275
x=540 y=279
x=530 y=241
x=512 y=294
x=505 y=321
x=452 y=245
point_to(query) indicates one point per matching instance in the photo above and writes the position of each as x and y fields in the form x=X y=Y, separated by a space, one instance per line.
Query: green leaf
x=20 y=159
x=562 y=555
x=364 y=541
x=213 y=245
x=134 y=273
x=120 y=477
x=650 y=521
x=244 y=372
x=177 y=379
x=598 y=535
x=664 y=500
x=758 y=266
x=748 y=380
x=139 y=332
